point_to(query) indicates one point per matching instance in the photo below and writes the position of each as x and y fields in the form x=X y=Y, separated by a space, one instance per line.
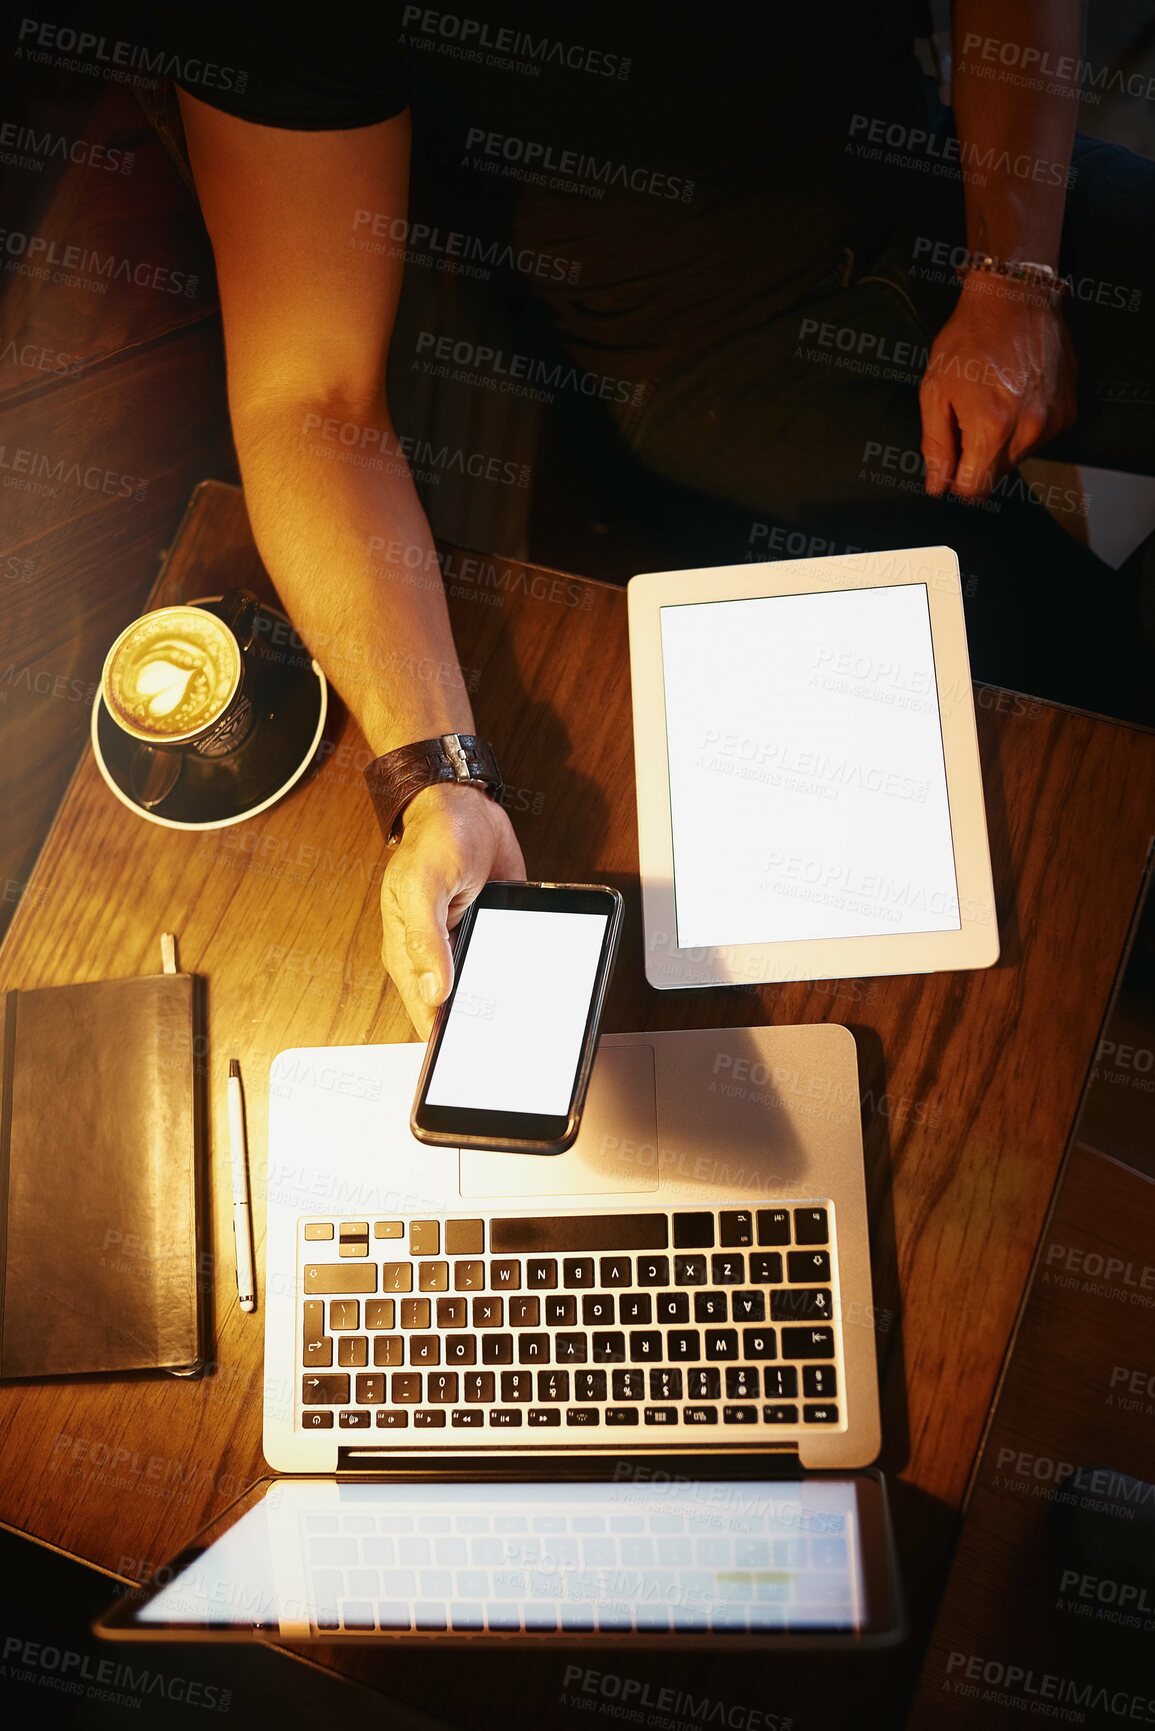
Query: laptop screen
x=807 y=778
x=316 y=1559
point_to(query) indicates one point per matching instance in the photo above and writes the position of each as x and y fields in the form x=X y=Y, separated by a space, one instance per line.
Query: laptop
x=620 y=1394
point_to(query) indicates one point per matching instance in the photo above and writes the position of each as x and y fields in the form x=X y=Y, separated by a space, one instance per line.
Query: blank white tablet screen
x=807 y=781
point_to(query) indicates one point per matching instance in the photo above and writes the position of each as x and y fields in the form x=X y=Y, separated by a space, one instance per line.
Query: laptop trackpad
x=616 y=1149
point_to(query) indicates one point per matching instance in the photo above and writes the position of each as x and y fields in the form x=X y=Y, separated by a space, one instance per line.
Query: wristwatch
x=394 y=779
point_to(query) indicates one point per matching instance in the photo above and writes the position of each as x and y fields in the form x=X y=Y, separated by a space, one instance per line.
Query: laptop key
x=464 y=1237
x=578 y=1271
x=561 y=1312
x=808 y=1343
x=416 y=1313
x=693 y=1231
x=609 y=1348
x=370 y=1390
x=388 y=1351
x=704 y=1384
x=571 y=1348
x=728 y=1269
x=597 y=1309
x=748 y=1306
x=543 y=1415
x=621 y=1415
x=701 y=1414
x=779 y=1415
x=389 y=1418
x=318 y=1230
x=424 y=1349
x=497 y=1349
x=480 y=1385
x=388 y=1229
x=331 y=1390
x=645 y=1344
x=505 y=1417
x=405 y=1387
x=802 y=1304
x=735 y=1229
x=467 y=1417
x=780 y=1382
x=505 y=1274
x=424 y=1237
x=635 y=1307
x=395 y=1277
x=711 y=1307
x=665 y=1384
x=628 y=1384
x=825 y=1414
x=316 y=1347
x=541 y=1273
x=352 y=1419
x=461 y=1349
x=690 y=1270
x=766 y=1268
x=804 y=1265
x=589 y=1385
x=516 y=1385
x=759 y=1343
x=452 y=1313
x=329 y=1277
x=433 y=1277
x=819 y=1381
x=426 y=1418
x=742 y=1382
x=683 y=1344
x=580 y=1232
x=533 y=1349
x=345 y=1314
x=660 y=1414
x=740 y=1415
x=810 y=1226
x=773 y=1225
x=488 y=1312
x=579 y=1415
x=442 y=1387
x=317 y=1420
x=468 y=1276
x=721 y=1343
x=353 y=1351
x=653 y=1271
x=615 y=1271
x=525 y=1312
x=673 y=1307
x=553 y=1385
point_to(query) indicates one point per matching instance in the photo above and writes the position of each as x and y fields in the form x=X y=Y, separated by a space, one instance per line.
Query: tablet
x=810 y=802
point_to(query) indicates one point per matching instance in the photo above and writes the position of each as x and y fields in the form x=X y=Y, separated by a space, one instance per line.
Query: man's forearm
x=343 y=535
x=1015 y=140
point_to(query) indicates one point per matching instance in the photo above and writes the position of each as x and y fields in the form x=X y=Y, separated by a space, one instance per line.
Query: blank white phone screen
x=514 y=1035
x=807 y=780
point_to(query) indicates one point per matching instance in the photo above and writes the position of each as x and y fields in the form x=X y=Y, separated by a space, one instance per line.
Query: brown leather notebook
x=99 y=1176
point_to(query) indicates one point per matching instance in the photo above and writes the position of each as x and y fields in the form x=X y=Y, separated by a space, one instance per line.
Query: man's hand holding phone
x=513 y=1046
x=455 y=839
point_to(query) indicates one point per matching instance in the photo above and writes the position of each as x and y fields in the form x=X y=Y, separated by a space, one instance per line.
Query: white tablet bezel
x=976 y=943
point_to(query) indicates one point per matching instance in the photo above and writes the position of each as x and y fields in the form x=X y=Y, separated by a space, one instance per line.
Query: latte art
x=172 y=673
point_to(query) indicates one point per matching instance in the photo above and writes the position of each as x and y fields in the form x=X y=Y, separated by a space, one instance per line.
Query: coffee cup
x=175 y=681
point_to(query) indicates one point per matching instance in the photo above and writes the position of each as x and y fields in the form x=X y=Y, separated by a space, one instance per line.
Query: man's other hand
x=1000 y=382
x=455 y=839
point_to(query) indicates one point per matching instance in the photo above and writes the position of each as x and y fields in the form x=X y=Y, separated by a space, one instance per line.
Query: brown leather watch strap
x=394 y=779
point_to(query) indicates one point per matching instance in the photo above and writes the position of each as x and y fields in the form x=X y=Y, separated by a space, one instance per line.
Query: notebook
x=99 y=1172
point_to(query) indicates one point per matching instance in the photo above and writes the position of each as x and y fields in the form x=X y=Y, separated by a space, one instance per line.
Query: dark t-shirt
x=657 y=174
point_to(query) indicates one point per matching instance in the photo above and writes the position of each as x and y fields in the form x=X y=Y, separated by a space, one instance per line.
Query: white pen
x=242 y=1223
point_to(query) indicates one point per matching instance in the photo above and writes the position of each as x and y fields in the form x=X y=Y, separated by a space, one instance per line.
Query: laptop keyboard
x=616 y=1327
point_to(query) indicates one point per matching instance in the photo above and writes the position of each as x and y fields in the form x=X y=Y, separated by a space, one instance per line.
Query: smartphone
x=511 y=1051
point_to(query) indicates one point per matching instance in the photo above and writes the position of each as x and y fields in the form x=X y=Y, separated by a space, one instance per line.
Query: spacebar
x=582 y=1232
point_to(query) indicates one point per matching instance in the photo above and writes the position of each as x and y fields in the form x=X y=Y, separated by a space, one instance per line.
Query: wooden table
x=970 y=1085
